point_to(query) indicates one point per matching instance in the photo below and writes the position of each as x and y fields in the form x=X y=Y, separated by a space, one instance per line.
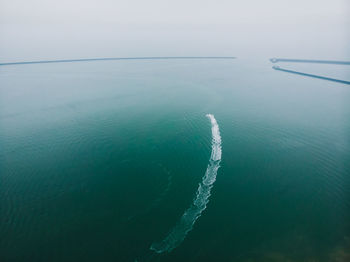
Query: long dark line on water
x=276 y=60
x=115 y=58
x=311 y=75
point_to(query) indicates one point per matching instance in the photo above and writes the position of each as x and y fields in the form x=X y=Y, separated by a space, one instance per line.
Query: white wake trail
x=185 y=224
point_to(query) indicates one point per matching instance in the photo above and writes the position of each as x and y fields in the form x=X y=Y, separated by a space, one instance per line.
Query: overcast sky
x=38 y=29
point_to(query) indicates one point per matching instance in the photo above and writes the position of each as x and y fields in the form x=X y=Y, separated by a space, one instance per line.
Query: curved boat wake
x=188 y=219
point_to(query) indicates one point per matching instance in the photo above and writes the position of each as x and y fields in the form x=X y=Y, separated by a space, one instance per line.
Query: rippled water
x=101 y=160
x=188 y=219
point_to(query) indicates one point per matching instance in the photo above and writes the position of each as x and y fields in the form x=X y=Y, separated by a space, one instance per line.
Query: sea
x=173 y=160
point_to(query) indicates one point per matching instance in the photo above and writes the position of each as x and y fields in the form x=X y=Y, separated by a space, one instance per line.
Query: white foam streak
x=185 y=224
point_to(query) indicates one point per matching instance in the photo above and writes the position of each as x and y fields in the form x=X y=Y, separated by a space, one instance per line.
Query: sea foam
x=185 y=224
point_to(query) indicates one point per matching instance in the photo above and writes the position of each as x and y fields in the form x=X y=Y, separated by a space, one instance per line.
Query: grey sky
x=173 y=12
x=82 y=28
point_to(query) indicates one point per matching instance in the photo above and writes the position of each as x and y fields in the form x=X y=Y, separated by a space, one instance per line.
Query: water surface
x=100 y=160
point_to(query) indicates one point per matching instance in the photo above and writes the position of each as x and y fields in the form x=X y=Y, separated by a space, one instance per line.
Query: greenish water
x=99 y=161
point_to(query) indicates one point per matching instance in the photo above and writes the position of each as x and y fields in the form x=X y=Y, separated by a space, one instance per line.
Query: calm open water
x=117 y=161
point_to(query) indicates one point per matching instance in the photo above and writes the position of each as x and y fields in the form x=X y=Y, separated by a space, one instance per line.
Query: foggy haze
x=37 y=29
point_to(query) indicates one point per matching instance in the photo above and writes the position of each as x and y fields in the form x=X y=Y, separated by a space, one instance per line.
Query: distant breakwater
x=114 y=58
x=311 y=75
x=276 y=60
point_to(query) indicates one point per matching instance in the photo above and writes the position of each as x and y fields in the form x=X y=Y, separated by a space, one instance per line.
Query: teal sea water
x=118 y=161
